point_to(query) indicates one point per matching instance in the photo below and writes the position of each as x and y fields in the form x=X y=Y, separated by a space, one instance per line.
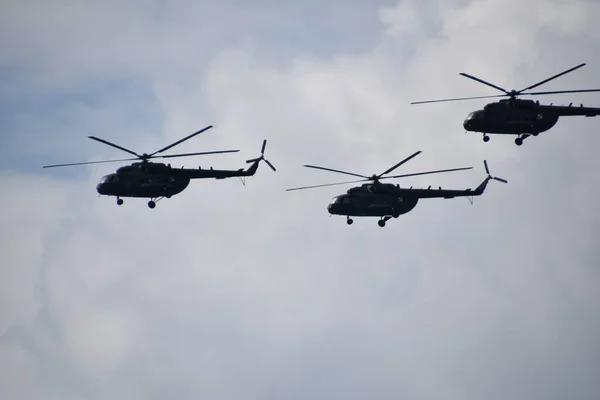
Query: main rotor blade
x=484 y=82
x=197 y=154
x=181 y=140
x=88 y=162
x=327 y=184
x=114 y=145
x=554 y=77
x=458 y=98
x=399 y=164
x=336 y=170
x=427 y=173
x=561 y=91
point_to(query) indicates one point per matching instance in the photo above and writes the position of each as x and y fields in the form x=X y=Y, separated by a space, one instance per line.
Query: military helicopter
x=386 y=200
x=156 y=180
x=514 y=116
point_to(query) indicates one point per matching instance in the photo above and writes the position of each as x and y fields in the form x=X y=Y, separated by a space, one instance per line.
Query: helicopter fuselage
x=141 y=185
x=371 y=205
x=155 y=180
x=521 y=117
x=387 y=200
x=514 y=116
x=381 y=200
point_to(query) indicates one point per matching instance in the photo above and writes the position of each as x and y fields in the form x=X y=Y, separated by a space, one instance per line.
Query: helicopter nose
x=335 y=209
x=101 y=188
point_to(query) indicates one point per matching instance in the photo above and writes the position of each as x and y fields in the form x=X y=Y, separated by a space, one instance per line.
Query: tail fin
x=481 y=188
x=255 y=161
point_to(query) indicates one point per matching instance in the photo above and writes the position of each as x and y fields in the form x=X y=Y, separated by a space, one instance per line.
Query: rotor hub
x=513 y=93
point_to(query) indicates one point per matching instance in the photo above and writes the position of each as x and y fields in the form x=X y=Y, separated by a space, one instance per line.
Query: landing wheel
x=518 y=141
x=151 y=204
x=119 y=202
x=395 y=214
x=381 y=223
x=535 y=134
x=349 y=221
x=486 y=138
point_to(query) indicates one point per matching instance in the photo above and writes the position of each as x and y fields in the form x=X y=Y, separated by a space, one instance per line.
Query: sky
x=231 y=290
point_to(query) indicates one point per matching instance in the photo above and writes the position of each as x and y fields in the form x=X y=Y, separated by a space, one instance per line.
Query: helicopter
x=386 y=200
x=156 y=181
x=514 y=116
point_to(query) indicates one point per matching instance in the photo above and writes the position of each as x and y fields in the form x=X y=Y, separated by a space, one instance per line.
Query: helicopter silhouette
x=514 y=116
x=156 y=181
x=386 y=200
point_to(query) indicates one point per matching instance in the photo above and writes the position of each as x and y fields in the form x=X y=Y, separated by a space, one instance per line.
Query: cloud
x=229 y=290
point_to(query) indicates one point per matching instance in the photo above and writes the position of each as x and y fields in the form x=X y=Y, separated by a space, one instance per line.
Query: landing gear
x=153 y=201
x=349 y=221
x=119 y=201
x=382 y=221
x=519 y=140
x=486 y=138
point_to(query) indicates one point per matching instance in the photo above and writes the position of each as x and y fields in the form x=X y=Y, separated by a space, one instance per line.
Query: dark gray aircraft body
x=385 y=200
x=514 y=116
x=157 y=180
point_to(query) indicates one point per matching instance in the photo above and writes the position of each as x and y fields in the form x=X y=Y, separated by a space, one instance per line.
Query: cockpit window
x=112 y=178
x=475 y=115
x=335 y=200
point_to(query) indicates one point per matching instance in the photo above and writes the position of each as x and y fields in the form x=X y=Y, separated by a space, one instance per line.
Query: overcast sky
x=229 y=291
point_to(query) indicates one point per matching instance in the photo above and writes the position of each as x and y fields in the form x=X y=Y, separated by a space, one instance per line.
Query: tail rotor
x=262 y=156
x=487 y=170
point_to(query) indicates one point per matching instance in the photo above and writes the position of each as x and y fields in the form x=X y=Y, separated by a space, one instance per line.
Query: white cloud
x=401 y=20
x=229 y=290
x=27 y=230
